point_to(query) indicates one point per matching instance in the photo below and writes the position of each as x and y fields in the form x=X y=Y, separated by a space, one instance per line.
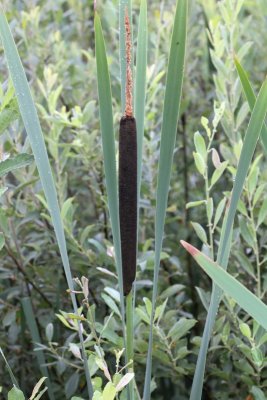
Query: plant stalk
x=130 y=338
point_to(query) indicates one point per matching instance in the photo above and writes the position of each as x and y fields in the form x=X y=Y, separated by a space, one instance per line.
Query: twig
x=24 y=273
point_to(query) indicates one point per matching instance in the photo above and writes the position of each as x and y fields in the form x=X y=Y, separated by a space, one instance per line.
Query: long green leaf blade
x=196 y=391
x=249 y=145
x=247 y=300
x=108 y=145
x=250 y=141
x=168 y=135
x=33 y=128
x=34 y=331
x=250 y=96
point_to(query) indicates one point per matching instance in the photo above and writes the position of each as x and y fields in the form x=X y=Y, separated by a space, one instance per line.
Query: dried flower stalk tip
x=129 y=79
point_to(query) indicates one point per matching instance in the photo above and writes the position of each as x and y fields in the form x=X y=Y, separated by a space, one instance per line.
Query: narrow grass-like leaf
x=37 y=388
x=33 y=128
x=123 y=6
x=33 y=328
x=19 y=161
x=108 y=144
x=140 y=86
x=196 y=391
x=168 y=135
x=249 y=145
x=250 y=96
x=12 y=377
x=247 y=300
x=250 y=141
x=40 y=394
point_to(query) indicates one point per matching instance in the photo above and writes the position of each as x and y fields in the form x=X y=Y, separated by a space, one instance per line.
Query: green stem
x=207 y=191
x=256 y=246
x=129 y=338
x=209 y=218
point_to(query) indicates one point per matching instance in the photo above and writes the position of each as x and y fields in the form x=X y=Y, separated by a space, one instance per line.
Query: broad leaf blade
x=15 y=394
x=19 y=161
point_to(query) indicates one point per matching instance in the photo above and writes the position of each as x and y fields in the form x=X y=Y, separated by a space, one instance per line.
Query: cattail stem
x=128 y=199
x=129 y=340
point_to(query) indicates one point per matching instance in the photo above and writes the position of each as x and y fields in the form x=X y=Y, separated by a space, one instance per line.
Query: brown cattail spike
x=129 y=79
x=128 y=199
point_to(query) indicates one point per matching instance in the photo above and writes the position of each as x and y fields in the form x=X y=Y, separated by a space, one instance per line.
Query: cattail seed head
x=128 y=199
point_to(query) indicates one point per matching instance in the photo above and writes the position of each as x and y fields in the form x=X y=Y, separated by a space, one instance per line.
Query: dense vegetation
x=56 y=43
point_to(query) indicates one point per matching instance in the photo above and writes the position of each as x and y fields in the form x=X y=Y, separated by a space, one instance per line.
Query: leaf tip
x=236 y=61
x=191 y=249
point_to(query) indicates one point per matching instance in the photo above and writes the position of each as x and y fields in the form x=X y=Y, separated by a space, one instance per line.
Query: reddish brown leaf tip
x=191 y=249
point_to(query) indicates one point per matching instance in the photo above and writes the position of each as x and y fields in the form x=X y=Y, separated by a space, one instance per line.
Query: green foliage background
x=56 y=44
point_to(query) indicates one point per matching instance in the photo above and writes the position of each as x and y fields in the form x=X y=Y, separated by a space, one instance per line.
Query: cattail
x=128 y=178
x=128 y=199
